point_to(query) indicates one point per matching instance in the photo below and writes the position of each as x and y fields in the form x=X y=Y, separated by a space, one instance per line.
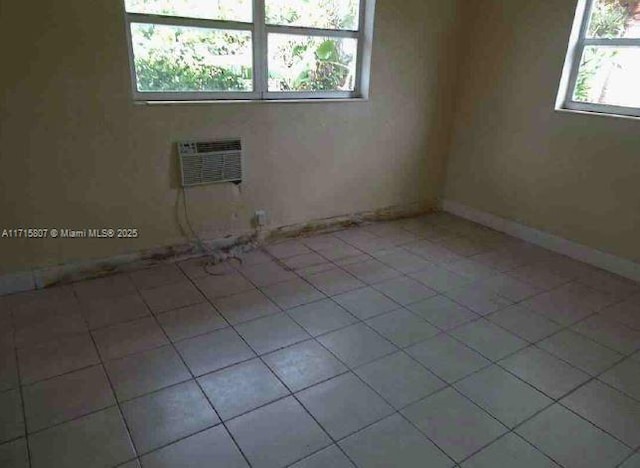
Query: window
x=602 y=72
x=186 y=50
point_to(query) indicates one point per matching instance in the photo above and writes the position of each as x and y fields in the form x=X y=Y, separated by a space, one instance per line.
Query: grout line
x=351 y=371
x=13 y=439
x=554 y=400
x=166 y=345
x=83 y=415
x=292 y=394
x=447 y=386
x=20 y=388
x=397 y=349
x=113 y=390
x=515 y=434
x=35 y=382
x=634 y=398
x=331 y=298
x=175 y=349
x=288 y=395
x=395 y=411
x=625 y=460
x=168 y=444
x=494 y=362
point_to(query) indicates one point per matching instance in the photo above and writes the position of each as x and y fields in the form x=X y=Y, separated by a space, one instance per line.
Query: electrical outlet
x=261 y=218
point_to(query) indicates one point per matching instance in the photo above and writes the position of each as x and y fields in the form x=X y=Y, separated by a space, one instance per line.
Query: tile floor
x=422 y=342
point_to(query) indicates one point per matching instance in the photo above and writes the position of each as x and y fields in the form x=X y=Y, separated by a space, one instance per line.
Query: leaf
x=326 y=50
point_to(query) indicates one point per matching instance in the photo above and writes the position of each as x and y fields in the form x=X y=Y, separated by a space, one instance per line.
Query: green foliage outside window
x=301 y=63
x=169 y=58
x=609 y=19
x=183 y=59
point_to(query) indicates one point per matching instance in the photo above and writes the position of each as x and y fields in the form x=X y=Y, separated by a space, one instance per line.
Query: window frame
x=577 y=44
x=260 y=30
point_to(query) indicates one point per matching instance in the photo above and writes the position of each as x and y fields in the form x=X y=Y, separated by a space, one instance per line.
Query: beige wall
x=75 y=151
x=572 y=175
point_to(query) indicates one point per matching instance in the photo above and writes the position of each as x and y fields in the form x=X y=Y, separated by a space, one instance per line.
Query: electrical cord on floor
x=213 y=258
x=193 y=232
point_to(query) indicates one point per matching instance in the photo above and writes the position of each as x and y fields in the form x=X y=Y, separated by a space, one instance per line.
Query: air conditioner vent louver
x=209 y=162
x=213 y=146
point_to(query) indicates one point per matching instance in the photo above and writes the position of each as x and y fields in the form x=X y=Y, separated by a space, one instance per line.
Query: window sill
x=564 y=110
x=251 y=101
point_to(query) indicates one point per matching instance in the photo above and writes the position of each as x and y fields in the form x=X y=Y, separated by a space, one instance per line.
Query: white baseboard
x=618 y=265
x=17 y=282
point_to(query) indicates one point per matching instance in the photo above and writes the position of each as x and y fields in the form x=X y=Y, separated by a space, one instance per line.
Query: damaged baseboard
x=340 y=222
x=618 y=265
x=40 y=278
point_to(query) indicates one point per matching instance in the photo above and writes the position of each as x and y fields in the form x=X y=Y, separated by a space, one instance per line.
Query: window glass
x=179 y=59
x=189 y=49
x=609 y=75
x=324 y=14
x=228 y=10
x=309 y=63
x=615 y=19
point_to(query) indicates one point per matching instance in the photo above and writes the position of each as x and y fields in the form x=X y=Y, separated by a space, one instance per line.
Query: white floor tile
x=365 y=303
x=545 y=372
x=455 y=424
x=625 y=377
x=330 y=457
x=448 y=358
x=270 y=333
x=304 y=364
x=505 y=397
x=443 y=312
x=358 y=324
x=278 y=434
x=580 y=351
x=99 y=439
x=241 y=388
x=403 y=328
x=394 y=442
x=344 y=405
x=572 y=441
x=510 y=450
x=608 y=409
x=321 y=317
x=356 y=345
x=399 y=379
x=197 y=451
x=488 y=339
x=525 y=323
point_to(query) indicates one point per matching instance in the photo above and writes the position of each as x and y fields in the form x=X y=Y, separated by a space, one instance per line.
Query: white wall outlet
x=261 y=218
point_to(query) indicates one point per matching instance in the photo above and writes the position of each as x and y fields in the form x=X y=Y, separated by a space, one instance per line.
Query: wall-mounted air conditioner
x=210 y=162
